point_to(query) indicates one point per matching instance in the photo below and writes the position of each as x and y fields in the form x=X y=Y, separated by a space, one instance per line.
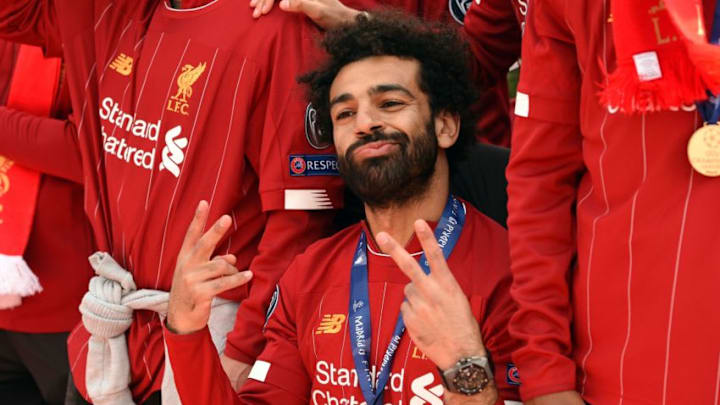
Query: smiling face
x=383 y=130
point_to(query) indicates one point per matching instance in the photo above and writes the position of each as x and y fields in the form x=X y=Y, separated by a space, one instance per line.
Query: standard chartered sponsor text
x=327 y=374
x=111 y=113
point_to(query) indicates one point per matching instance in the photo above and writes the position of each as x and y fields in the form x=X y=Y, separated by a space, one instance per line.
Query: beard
x=396 y=178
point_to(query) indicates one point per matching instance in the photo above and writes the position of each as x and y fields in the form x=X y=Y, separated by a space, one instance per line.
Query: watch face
x=470 y=379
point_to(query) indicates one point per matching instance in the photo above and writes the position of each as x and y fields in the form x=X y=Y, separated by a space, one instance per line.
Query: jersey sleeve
x=198 y=373
x=287 y=234
x=494 y=34
x=298 y=167
x=279 y=376
x=43 y=144
x=32 y=22
x=543 y=174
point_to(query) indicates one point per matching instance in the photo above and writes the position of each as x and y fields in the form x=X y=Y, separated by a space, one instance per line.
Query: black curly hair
x=442 y=53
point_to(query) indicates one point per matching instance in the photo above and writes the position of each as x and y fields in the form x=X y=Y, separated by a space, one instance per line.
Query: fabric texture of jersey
x=175 y=106
x=608 y=203
x=308 y=356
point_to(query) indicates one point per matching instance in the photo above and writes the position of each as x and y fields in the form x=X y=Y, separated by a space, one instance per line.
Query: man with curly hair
x=395 y=97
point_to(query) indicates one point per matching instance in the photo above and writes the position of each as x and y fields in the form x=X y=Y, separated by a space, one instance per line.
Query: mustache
x=379 y=135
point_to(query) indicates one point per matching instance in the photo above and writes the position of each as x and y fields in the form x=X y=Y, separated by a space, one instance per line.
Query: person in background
x=176 y=102
x=612 y=207
x=50 y=242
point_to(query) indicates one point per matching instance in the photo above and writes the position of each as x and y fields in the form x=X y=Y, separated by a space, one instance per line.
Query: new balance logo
x=173 y=154
x=425 y=395
x=330 y=323
x=122 y=64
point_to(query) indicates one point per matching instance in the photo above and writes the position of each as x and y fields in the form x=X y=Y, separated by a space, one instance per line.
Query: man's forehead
x=367 y=75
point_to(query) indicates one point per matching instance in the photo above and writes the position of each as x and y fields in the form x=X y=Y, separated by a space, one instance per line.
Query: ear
x=447 y=128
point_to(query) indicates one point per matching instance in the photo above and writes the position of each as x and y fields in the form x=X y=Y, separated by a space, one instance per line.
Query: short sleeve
x=297 y=169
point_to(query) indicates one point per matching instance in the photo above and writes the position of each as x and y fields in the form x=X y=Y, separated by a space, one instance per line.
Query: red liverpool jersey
x=613 y=235
x=308 y=357
x=175 y=106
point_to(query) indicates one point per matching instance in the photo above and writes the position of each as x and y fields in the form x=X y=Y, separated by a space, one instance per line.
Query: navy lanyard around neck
x=710 y=109
x=447 y=234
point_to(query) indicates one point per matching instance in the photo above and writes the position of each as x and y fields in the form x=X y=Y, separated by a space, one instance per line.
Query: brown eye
x=343 y=114
x=390 y=104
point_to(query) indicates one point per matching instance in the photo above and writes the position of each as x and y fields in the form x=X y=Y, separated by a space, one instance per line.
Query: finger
x=434 y=254
x=408 y=314
x=267 y=6
x=419 y=297
x=213 y=270
x=212 y=288
x=205 y=246
x=195 y=229
x=230 y=258
x=253 y=3
x=411 y=294
x=291 y=5
x=260 y=7
x=402 y=258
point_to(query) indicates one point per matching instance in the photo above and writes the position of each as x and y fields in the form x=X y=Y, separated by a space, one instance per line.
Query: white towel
x=107 y=310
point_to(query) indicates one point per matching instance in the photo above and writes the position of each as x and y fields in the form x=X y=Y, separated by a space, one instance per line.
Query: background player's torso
x=179 y=106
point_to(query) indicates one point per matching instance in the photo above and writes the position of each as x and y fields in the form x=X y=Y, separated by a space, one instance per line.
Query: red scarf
x=32 y=89
x=664 y=59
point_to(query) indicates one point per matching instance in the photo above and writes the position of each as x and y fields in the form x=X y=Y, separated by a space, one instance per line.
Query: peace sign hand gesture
x=436 y=311
x=197 y=279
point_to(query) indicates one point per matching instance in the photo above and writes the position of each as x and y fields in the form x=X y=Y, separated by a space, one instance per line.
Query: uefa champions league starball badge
x=704 y=150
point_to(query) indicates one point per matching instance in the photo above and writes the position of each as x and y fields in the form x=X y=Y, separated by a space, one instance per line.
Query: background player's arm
x=297 y=207
x=279 y=375
x=31 y=22
x=543 y=176
x=494 y=36
x=44 y=144
x=287 y=234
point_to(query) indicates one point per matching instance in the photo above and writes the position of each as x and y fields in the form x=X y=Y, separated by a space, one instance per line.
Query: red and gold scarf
x=33 y=87
x=664 y=59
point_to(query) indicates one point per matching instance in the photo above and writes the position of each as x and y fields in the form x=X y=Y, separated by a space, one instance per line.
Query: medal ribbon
x=447 y=233
x=710 y=109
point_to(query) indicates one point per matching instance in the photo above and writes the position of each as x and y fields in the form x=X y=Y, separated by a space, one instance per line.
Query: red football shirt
x=613 y=235
x=308 y=356
x=175 y=106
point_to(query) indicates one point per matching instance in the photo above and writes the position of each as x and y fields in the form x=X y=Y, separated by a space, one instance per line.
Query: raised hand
x=325 y=13
x=198 y=279
x=436 y=311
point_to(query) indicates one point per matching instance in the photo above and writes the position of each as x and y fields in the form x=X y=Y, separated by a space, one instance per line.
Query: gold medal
x=704 y=150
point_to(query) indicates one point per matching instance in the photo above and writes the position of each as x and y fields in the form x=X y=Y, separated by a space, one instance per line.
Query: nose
x=367 y=121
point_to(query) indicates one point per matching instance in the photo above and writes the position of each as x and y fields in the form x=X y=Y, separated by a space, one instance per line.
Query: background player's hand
x=197 y=279
x=261 y=7
x=325 y=13
x=436 y=312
